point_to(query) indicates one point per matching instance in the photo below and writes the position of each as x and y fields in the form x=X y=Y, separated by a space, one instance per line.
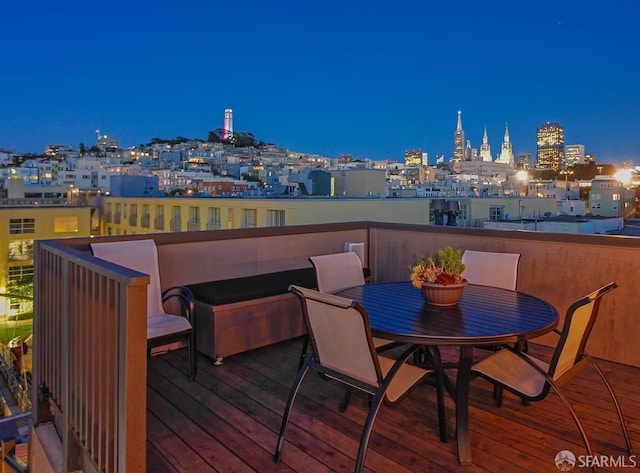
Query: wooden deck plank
x=228 y=420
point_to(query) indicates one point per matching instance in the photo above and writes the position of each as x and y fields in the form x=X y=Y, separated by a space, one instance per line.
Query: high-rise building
x=413 y=158
x=485 y=149
x=550 y=139
x=458 y=141
x=227 y=127
x=506 y=152
x=574 y=154
x=523 y=161
x=468 y=152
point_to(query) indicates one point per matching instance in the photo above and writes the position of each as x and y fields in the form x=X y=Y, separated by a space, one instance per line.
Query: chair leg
x=287 y=412
x=498 y=394
x=366 y=432
x=303 y=354
x=193 y=365
x=346 y=399
x=615 y=403
x=574 y=415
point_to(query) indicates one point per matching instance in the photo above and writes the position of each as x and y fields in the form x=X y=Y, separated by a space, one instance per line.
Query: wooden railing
x=89 y=357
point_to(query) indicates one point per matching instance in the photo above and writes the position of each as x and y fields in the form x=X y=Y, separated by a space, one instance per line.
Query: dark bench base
x=240 y=326
x=236 y=315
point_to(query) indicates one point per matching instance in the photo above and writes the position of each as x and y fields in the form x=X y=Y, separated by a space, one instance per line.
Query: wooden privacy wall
x=559 y=268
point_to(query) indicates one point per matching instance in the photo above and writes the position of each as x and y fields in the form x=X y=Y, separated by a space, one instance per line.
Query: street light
x=523 y=176
x=625 y=178
x=566 y=173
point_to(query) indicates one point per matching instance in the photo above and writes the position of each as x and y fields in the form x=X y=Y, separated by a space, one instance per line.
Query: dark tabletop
x=484 y=315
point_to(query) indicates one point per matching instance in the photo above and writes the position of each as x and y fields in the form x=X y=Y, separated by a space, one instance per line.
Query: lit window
x=67 y=224
x=20 y=250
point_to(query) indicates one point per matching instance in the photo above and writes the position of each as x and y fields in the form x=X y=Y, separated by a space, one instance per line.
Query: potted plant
x=439 y=277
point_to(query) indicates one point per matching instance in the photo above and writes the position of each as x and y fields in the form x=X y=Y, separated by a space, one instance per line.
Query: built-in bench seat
x=240 y=314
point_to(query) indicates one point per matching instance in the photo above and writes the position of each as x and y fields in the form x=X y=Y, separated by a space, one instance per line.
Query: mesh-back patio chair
x=343 y=350
x=487 y=269
x=334 y=273
x=531 y=379
x=491 y=269
x=162 y=328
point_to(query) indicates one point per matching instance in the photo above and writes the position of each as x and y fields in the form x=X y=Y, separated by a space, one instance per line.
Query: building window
x=230 y=218
x=65 y=224
x=18 y=226
x=496 y=212
x=275 y=218
x=213 y=218
x=249 y=218
x=158 y=222
x=16 y=273
x=616 y=196
x=20 y=250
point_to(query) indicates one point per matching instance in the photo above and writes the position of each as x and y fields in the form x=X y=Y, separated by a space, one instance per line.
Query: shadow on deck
x=229 y=418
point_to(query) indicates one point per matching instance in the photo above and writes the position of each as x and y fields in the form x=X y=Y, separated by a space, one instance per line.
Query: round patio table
x=484 y=315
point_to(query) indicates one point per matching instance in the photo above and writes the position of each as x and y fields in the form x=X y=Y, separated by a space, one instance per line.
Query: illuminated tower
x=458 y=141
x=227 y=128
x=506 y=153
x=550 y=139
x=485 y=149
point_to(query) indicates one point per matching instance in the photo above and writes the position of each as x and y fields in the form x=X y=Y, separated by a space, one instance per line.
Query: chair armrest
x=187 y=301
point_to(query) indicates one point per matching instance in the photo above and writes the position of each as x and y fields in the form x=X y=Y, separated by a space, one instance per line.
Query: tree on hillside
x=245 y=139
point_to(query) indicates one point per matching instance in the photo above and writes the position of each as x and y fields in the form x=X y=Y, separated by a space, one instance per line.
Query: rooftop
x=228 y=420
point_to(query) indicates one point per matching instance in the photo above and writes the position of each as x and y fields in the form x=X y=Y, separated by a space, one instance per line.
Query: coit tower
x=227 y=128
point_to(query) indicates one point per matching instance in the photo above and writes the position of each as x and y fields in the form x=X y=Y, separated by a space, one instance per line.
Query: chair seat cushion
x=510 y=370
x=406 y=377
x=227 y=291
x=159 y=325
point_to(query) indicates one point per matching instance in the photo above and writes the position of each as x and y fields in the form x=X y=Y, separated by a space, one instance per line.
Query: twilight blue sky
x=368 y=78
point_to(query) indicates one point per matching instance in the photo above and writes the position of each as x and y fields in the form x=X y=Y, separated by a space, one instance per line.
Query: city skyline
x=336 y=78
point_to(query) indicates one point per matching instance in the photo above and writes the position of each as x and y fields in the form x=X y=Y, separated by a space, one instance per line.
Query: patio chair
x=488 y=269
x=532 y=379
x=334 y=273
x=343 y=350
x=491 y=269
x=162 y=328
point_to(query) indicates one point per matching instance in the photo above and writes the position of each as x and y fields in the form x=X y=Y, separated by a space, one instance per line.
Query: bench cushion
x=227 y=291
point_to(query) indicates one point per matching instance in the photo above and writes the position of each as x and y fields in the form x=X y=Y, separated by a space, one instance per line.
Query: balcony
x=194 y=225
x=145 y=220
x=133 y=220
x=158 y=223
x=91 y=355
x=175 y=225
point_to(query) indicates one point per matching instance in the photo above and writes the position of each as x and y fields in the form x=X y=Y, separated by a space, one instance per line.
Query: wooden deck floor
x=227 y=421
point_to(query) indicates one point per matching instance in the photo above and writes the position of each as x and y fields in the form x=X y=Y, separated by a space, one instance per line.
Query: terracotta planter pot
x=440 y=295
